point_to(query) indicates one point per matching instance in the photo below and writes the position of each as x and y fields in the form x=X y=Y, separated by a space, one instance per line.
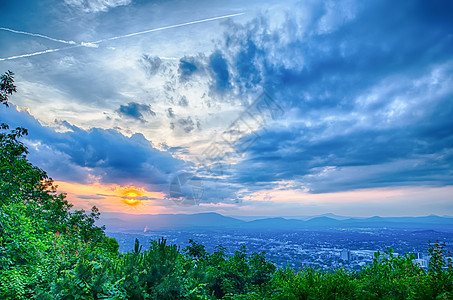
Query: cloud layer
x=93 y=6
x=95 y=155
x=365 y=89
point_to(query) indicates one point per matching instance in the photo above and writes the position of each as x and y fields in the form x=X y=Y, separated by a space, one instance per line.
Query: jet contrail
x=95 y=43
x=39 y=52
x=167 y=27
x=38 y=35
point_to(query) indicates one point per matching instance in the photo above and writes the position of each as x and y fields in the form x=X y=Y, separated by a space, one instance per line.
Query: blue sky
x=364 y=90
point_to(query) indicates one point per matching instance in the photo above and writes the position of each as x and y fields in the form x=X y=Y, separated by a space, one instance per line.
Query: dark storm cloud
x=215 y=67
x=77 y=154
x=190 y=66
x=220 y=73
x=369 y=98
x=362 y=159
x=298 y=59
x=135 y=111
x=187 y=66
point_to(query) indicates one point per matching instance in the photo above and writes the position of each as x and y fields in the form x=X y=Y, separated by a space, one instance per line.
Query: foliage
x=388 y=277
x=7 y=87
x=49 y=251
x=40 y=236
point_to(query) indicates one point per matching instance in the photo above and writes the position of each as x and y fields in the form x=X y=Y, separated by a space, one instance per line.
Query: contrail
x=167 y=27
x=95 y=43
x=38 y=35
x=38 y=53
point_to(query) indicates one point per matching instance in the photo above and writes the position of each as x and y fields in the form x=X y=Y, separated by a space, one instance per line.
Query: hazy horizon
x=256 y=217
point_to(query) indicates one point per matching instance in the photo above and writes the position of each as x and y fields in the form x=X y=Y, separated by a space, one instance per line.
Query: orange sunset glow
x=131 y=202
x=131 y=193
x=112 y=197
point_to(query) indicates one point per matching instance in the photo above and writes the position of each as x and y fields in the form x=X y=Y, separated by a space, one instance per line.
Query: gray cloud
x=187 y=124
x=368 y=95
x=170 y=113
x=191 y=65
x=78 y=155
x=183 y=101
x=220 y=73
x=91 y=197
x=93 y=6
x=152 y=65
x=135 y=111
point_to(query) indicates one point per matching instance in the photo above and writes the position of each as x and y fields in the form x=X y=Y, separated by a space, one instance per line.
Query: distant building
x=345 y=255
x=422 y=262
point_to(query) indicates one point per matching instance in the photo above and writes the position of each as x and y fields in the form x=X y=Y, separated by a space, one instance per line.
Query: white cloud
x=93 y=6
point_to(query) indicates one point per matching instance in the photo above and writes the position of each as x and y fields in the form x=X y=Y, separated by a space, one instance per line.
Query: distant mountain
x=303 y=218
x=329 y=215
x=252 y=218
x=273 y=223
x=166 y=221
x=323 y=221
x=126 y=222
x=428 y=222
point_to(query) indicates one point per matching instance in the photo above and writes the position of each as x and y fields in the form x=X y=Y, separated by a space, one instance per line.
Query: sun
x=129 y=194
x=131 y=202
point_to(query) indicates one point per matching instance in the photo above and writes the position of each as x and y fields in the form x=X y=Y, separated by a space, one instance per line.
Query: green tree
x=7 y=86
x=40 y=236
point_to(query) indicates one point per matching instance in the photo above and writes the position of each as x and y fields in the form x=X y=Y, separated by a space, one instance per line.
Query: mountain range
x=128 y=222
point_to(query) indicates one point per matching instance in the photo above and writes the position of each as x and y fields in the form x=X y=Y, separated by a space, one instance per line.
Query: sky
x=244 y=108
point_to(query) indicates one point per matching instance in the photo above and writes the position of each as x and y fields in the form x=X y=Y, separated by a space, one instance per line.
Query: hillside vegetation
x=50 y=251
